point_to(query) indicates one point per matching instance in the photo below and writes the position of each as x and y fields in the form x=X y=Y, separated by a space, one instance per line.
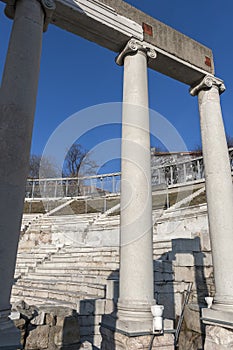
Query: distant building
x=170 y=168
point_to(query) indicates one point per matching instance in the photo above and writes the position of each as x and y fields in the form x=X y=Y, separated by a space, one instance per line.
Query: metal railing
x=168 y=174
x=179 y=172
x=73 y=187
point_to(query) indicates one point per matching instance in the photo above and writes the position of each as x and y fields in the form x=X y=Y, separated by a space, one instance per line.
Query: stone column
x=219 y=198
x=17 y=106
x=136 y=293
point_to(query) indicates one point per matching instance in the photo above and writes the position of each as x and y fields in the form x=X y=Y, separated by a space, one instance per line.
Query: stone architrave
x=17 y=106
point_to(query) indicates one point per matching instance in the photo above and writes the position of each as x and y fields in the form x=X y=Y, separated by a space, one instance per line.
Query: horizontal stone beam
x=111 y=23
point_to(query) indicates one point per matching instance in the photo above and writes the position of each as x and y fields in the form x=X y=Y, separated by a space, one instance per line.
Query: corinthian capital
x=207 y=83
x=47 y=5
x=134 y=46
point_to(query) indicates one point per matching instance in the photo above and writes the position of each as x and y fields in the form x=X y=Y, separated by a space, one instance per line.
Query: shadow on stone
x=185 y=262
x=108 y=322
x=90 y=315
x=189 y=268
x=113 y=339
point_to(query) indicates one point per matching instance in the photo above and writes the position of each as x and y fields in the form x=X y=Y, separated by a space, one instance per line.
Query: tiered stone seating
x=27 y=220
x=59 y=230
x=77 y=275
x=74 y=277
x=70 y=274
x=27 y=260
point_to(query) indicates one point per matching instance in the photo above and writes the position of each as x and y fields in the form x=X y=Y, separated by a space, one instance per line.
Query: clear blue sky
x=76 y=74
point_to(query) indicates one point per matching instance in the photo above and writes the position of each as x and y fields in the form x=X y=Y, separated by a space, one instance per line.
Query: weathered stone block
x=39 y=319
x=69 y=334
x=38 y=338
x=203 y=259
x=109 y=306
x=203 y=273
x=50 y=319
x=26 y=311
x=192 y=318
x=218 y=338
x=190 y=340
x=86 y=346
x=112 y=289
x=205 y=240
x=186 y=274
x=184 y=259
x=180 y=287
x=21 y=325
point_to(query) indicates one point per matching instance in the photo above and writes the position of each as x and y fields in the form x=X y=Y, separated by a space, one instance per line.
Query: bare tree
x=78 y=162
x=41 y=167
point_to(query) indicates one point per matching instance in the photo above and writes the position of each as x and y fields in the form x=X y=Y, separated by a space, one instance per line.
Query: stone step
x=70 y=216
x=59 y=295
x=30 y=256
x=62 y=223
x=113 y=262
x=104 y=271
x=67 y=218
x=106 y=223
x=44 y=248
x=23 y=269
x=66 y=227
x=69 y=277
x=70 y=262
x=77 y=266
x=110 y=219
x=75 y=257
x=29 y=264
x=36 y=300
x=89 y=252
x=85 y=257
x=41 y=248
x=83 y=249
x=87 y=288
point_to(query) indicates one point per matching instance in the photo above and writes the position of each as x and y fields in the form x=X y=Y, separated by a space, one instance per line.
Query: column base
x=134 y=317
x=9 y=336
x=115 y=339
x=218 y=317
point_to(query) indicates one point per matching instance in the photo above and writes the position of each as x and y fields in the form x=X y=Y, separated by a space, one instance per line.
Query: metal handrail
x=168 y=174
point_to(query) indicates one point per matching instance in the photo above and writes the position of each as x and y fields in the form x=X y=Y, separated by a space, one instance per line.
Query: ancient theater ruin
x=158 y=269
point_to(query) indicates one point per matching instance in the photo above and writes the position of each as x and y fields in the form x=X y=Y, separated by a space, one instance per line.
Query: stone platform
x=119 y=341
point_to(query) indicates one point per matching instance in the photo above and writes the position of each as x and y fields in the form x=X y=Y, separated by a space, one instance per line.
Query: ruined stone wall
x=48 y=328
x=182 y=258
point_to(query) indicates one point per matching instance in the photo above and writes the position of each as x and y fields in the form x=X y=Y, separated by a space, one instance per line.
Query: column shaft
x=17 y=105
x=219 y=193
x=136 y=251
